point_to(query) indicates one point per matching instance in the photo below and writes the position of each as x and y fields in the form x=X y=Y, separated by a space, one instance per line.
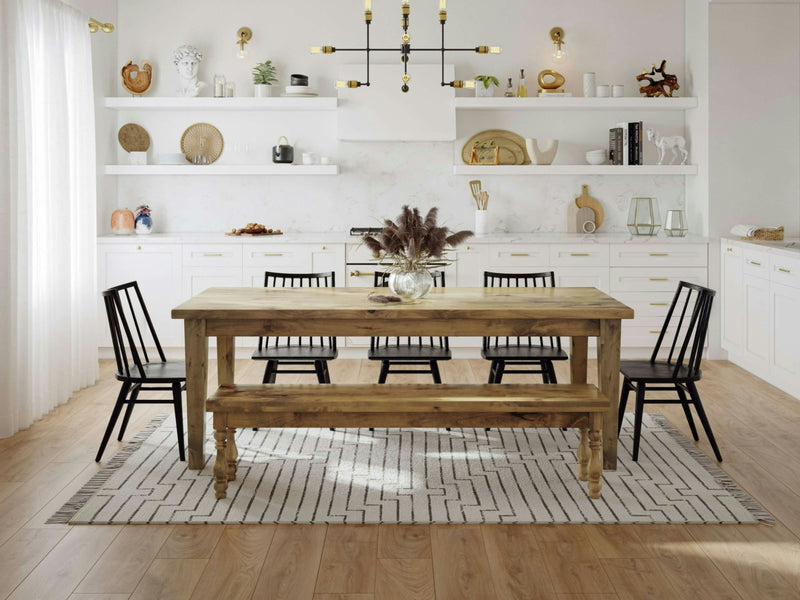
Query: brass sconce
x=557 y=35
x=244 y=34
x=95 y=26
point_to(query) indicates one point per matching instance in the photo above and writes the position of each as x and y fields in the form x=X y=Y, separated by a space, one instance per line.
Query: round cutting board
x=512 y=146
x=586 y=200
x=133 y=138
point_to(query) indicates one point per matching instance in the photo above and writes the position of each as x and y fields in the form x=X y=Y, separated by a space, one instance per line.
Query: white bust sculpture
x=187 y=61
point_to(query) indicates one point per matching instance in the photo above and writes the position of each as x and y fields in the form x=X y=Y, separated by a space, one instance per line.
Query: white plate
x=300 y=89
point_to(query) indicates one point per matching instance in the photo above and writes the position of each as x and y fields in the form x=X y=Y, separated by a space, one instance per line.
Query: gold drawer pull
x=754 y=262
x=659 y=254
x=579 y=254
x=324 y=247
x=782 y=270
x=659 y=304
x=138 y=247
x=273 y=254
x=360 y=274
x=659 y=279
x=212 y=253
x=654 y=331
x=520 y=254
x=469 y=247
x=729 y=250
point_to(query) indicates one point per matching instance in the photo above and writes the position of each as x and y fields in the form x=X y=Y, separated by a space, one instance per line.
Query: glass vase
x=644 y=217
x=410 y=285
x=675 y=223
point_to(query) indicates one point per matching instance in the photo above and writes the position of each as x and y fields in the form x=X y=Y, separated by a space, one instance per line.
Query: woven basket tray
x=772 y=235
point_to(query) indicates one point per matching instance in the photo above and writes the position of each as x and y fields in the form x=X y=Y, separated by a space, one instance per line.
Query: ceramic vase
x=589 y=85
x=262 y=90
x=481 y=222
x=540 y=156
x=144 y=224
x=122 y=222
x=411 y=285
x=483 y=92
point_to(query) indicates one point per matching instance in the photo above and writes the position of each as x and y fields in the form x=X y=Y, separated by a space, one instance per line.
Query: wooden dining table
x=227 y=313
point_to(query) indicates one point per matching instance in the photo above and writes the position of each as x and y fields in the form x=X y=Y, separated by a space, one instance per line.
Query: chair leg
x=698 y=406
x=320 y=371
x=552 y=369
x=326 y=371
x=492 y=371
x=123 y=393
x=623 y=402
x=269 y=372
x=637 y=420
x=545 y=372
x=437 y=378
x=687 y=412
x=127 y=416
x=501 y=368
x=176 y=397
x=384 y=371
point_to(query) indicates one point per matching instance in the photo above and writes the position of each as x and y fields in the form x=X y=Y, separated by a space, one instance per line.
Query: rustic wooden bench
x=573 y=405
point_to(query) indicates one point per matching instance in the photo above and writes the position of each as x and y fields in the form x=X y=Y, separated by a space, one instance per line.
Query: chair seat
x=523 y=352
x=659 y=372
x=409 y=352
x=296 y=353
x=157 y=372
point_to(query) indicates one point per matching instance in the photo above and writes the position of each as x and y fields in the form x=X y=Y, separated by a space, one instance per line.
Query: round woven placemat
x=192 y=142
x=133 y=138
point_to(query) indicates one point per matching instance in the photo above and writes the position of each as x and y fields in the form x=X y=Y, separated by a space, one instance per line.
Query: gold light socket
x=406 y=10
x=406 y=78
x=406 y=38
x=482 y=50
x=458 y=83
x=368 y=16
x=328 y=50
x=442 y=16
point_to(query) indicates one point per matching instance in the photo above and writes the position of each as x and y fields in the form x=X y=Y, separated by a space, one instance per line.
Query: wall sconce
x=244 y=34
x=95 y=26
x=557 y=35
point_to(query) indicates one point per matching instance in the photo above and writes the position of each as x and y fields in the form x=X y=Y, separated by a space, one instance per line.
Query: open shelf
x=574 y=170
x=570 y=103
x=221 y=169
x=176 y=103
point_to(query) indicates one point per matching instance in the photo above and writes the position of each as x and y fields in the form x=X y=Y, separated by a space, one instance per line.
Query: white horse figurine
x=675 y=142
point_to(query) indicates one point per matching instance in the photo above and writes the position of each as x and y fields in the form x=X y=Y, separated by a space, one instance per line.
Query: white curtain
x=48 y=345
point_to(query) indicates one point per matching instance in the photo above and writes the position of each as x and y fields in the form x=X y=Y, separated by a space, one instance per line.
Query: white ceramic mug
x=618 y=90
x=602 y=91
x=309 y=158
x=324 y=160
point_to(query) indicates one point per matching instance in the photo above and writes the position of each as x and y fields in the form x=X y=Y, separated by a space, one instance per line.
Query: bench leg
x=583 y=455
x=231 y=453
x=221 y=464
x=596 y=460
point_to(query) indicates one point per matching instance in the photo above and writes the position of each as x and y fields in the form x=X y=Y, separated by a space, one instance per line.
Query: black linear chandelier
x=405 y=49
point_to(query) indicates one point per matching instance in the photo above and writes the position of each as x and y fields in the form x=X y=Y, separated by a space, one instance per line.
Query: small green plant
x=487 y=80
x=265 y=72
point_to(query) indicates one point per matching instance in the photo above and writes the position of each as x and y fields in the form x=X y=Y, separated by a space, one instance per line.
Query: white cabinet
x=785 y=328
x=469 y=266
x=756 y=321
x=157 y=270
x=292 y=258
x=732 y=298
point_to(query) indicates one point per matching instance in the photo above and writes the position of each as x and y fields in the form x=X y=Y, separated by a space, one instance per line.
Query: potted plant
x=264 y=75
x=414 y=245
x=484 y=86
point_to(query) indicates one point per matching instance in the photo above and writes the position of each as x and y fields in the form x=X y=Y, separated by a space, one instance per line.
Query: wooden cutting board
x=585 y=200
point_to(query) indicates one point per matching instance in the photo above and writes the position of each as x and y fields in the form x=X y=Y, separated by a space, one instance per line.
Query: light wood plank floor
x=756 y=426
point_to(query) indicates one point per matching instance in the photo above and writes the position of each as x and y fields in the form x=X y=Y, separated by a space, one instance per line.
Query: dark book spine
x=612 y=149
x=640 y=154
x=632 y=144
x=635 y=141
x=618 y=148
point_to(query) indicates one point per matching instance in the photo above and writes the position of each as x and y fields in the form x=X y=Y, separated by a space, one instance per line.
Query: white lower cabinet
x=761 y=312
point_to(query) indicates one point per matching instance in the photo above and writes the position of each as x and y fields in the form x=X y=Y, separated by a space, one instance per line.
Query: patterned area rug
x=412 y=476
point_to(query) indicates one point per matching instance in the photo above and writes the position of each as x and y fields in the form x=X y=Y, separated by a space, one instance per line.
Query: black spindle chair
x=409 y=351
x=297 y=351
x=132 y=332
x=686 y=324
x=537 y=352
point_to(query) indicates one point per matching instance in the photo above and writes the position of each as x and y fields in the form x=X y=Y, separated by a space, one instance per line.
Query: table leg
x=578 y=350
x=608 y=349
x=226 y=355
x=221 y=464
x=196 y=388
x=595 y=464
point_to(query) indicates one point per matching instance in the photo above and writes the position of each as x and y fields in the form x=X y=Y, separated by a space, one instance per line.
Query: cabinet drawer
x=294 y=257
x=643 y=333
x=659 y=255
x=579 y=255
x=755 y=263
x=654 y=280
x=596 y=277
x=527 y=256
x=785 y=270
x=217 y=255
x=647 y=304
x=359 y=253
x=361 y=276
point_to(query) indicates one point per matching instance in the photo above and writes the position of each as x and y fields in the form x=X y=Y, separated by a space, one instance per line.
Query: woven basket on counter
x=771 y=235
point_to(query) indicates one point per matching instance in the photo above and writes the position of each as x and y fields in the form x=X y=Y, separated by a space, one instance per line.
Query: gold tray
x=192 y=142
x=512 y=146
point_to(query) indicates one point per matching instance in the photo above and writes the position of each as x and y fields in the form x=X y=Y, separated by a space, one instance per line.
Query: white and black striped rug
x=412 y=476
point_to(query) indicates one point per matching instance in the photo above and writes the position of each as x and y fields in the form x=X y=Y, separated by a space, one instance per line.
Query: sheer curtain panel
x=48 y=299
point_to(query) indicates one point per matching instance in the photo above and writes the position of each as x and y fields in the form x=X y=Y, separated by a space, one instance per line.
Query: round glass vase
x=410 y=286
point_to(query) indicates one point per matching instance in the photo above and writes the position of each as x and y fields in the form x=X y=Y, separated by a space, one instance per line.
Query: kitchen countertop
x=788 y=247
x=340 y=237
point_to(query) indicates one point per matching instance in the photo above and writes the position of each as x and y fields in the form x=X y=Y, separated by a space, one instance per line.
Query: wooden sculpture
x=135 y=79
x=663 y=87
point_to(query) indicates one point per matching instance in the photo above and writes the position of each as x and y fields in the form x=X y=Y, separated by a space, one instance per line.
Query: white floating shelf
x=221 y=169
x=170 y=103
x=574 y=170
x=570 y=103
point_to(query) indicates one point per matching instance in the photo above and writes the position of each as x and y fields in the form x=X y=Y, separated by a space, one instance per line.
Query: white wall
x=616 y=39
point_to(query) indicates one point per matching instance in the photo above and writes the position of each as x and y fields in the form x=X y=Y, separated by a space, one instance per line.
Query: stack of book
x=625 y=144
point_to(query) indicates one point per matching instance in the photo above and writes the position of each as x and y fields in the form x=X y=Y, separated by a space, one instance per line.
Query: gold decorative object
x=244 y=35
x=644 y=217
x=135 y=79
x=133 y=138
x=551 y=87
x=662 y=87
x=202 y=143
x=557 y=35
x=510 y=148
x=95 y=26
x=675 y=223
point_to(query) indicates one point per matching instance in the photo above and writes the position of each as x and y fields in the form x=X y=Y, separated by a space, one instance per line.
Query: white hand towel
x=743 y=230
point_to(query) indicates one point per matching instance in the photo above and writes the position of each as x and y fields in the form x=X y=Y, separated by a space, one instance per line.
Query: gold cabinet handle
x=520 y=254
x=729 y=249
x=754 y=262
x=659 y=279
x=360 y=274
x=138 y=247
x=654 y=331
x=659 y=254
x=659 y=304
x=469 y=247
x=273 y=254
x=212 y=253
x=579 y=254
x=782 y=270
x=324 y=247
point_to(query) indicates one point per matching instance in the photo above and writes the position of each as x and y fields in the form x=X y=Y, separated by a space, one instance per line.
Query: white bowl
x=596 y=158
x=172 y=158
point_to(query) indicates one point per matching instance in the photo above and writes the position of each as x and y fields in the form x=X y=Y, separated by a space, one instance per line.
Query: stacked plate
x=300 y=90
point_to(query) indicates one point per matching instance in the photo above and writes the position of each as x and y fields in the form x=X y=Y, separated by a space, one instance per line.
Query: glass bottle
x=522 y=89
x=509 y=89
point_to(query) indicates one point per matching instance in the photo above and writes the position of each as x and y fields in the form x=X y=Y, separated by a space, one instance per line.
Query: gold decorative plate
x=133 y=138
x=202 y=138
x=512 y=146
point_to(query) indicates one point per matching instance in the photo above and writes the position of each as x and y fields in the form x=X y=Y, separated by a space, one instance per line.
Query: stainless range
x=361 y=264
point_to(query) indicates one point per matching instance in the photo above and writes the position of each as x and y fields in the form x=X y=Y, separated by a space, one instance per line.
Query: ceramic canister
x=122 y=221
x=589 y=85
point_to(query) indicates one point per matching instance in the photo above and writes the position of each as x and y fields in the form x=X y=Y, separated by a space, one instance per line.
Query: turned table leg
x=596 y=461
x=583 y=455
x=221 y=464
x=232 y=453
x=608 y=349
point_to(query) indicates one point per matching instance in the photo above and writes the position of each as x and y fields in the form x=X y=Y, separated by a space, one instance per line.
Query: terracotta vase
x=122 y=222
